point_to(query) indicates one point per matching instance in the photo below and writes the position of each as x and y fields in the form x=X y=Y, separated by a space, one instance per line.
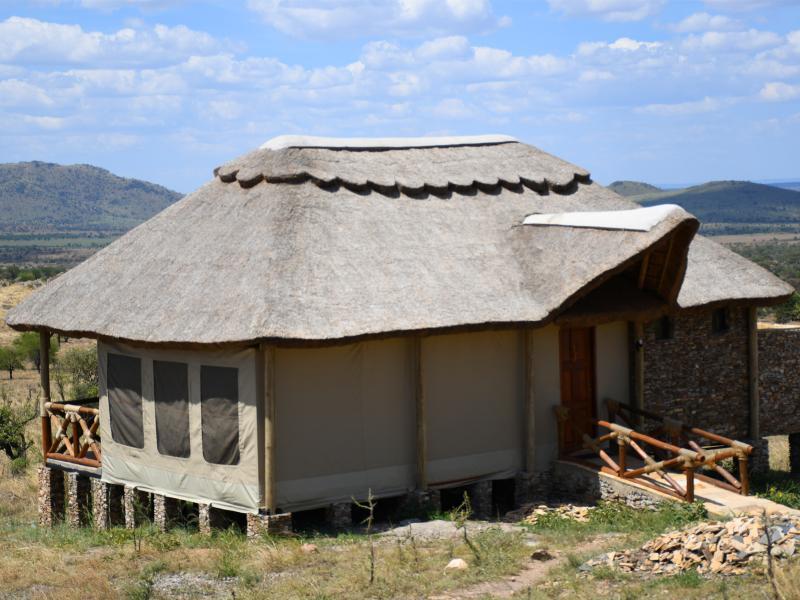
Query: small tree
x=13 y=421
x=9 y=360
x=27 y=345
x=75 y=374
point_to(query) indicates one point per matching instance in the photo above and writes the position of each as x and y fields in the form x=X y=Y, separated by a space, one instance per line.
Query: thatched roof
x=310 y=243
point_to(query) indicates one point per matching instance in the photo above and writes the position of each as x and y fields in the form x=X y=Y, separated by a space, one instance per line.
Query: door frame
x=562 y=346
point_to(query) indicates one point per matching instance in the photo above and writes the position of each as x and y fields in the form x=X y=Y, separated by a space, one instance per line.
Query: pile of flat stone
x=533 y=513
x=724 y=548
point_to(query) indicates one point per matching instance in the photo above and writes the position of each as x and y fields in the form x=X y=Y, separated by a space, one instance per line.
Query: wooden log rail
x=679 y=433
x=688 y=460
x=76 y=439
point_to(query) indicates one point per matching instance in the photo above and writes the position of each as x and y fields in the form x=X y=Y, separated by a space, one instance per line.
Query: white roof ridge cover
x=635 y=219
x=309 y=141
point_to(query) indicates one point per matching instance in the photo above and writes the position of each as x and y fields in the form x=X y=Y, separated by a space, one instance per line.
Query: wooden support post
x=638 y=369
x=689 y=484
x=419 y=400
x=621 y=456
x=530 y=403
x=44 y=374
x=752 y=372
x=744 y=475
x=270 y=499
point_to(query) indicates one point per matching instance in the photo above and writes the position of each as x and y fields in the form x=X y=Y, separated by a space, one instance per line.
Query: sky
x=166 y=90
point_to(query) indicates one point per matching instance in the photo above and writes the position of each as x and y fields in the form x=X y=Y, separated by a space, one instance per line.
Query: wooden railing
x=76 y=439
x=658 y=457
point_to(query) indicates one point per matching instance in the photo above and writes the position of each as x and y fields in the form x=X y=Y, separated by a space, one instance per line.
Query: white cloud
x=746 y=5
x=752 y=39
x=703 y=21
x=361 y=18
x=44 y=122
x=596 y=75
x=14 y=92
x=453 y=108
x=622 y=44
x=115 y=4
x=30 y=41
x=705 y=105
x=456 y=46
x=609 y=10
x=777 y=91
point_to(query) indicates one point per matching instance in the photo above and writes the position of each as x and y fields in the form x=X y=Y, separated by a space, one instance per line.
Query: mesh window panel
x=219 y=402
x=125 y=399
x=171 y=391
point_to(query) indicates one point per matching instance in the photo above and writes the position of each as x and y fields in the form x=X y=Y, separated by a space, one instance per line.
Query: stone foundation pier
x=51 y=496
x=79 y=509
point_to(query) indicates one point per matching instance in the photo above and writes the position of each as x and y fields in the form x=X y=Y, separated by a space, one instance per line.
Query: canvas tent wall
x=345 y=415
x=182 y=423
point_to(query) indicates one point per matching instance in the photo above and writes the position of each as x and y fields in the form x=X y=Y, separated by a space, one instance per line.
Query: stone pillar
x=204 y=518
x=340 y=515
x=480 y=497
x=531 y=487
x=759 y=460
x=263 y=524
x=78 y=509
x=166 y=511
x=129 y=507
x=51 y=496
x=794 y=452
x=100 y=504
x=136 y=506
x=420 y=503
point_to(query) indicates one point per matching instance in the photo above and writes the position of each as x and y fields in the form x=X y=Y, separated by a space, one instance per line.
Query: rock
x=457 y=564
x=724 y=548
x=541 y=555
x=309 y=549
x=530 y=513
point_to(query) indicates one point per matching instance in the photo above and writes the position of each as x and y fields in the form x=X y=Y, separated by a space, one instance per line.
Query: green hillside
x=45 y=198
x=633 y=188
x=743 y=206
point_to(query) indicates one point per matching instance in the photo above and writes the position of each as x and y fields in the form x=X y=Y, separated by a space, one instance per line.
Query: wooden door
x=577 y=383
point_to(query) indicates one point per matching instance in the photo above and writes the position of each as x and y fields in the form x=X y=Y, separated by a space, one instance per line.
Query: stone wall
x=779 y=380
x=698 y=376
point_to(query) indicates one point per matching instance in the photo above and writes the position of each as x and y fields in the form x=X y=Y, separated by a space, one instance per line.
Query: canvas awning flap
x=637 y=219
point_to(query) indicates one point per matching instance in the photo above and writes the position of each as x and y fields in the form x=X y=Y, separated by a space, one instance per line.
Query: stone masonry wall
x=698 y=376
x=779 y=380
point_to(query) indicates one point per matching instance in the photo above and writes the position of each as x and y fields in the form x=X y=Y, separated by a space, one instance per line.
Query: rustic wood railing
x=663 y=456
x=76 y=439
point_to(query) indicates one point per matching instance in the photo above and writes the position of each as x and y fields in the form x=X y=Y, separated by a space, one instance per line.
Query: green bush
x=75 y=374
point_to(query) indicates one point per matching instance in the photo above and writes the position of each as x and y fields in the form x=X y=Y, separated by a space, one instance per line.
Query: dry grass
x=10 y=296
x=65 y=563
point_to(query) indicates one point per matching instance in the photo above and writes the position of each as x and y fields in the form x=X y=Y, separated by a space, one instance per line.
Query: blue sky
x=165 y=90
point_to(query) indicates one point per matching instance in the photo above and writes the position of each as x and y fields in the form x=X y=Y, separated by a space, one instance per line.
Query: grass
x=620 y=520
x=62 y=562
x=778 y=486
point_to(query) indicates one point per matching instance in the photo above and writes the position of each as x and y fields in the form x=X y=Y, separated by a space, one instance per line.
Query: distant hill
x=789 y=185
x=38 y=197
x=736 y=202
x=633 y=188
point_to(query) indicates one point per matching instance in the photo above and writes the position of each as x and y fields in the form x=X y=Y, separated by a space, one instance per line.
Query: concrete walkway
x=719 y=502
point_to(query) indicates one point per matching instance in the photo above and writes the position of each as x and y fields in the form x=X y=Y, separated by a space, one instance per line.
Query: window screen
x=124 y=376
x=219 y=402
x=171 y=394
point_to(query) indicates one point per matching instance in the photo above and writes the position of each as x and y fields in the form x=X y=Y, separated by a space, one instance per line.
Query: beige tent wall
x=612 y=364
x=547 y=394
x=231 y=487
x=345 y=422
x=473 y=388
